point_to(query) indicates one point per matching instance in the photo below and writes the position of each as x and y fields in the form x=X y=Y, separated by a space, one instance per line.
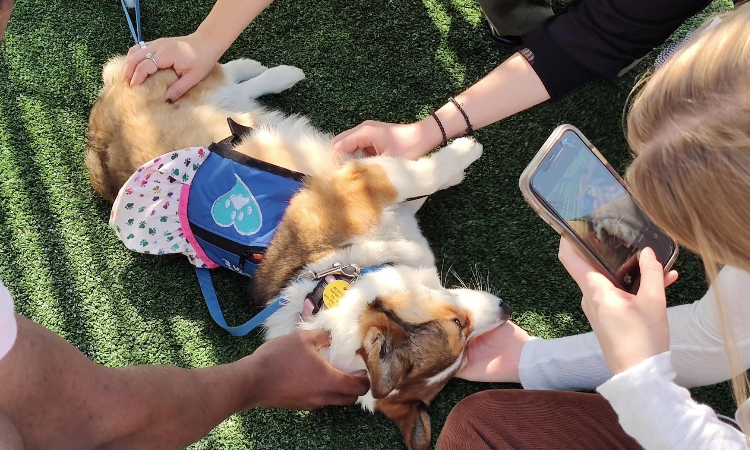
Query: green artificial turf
x=392 y=60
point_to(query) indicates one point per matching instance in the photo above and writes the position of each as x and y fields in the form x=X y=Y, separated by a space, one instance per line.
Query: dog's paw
x=467 y=150
x=454 y=158
x=286 y=76
x=243 y=69
x=458 y=155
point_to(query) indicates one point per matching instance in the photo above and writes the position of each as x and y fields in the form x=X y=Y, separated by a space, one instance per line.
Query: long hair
x=689 y=125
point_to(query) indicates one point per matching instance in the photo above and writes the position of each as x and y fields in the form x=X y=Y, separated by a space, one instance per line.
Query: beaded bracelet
x=442 y=129
x=469 y=128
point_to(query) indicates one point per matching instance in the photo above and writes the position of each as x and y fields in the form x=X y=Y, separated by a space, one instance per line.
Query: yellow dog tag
x=334 y=292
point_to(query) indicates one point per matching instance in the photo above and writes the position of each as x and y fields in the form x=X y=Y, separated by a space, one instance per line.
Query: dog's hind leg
x=443 y=169
x=272 y=81
x=243 y=69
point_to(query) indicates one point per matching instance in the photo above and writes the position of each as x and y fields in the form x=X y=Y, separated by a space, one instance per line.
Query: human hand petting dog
x=191 y=57
x=630 y=328
x=289 y=372
x=494 y=355
x=411 y=140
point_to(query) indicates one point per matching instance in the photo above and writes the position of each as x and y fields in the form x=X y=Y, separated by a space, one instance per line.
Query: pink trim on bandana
x=185 y=225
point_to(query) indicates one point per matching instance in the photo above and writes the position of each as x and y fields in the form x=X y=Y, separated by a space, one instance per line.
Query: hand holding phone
x=573 y=188
x=630 y=328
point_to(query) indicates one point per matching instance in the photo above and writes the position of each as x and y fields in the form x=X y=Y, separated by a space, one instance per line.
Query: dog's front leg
x=442 y=169
x=271 y=81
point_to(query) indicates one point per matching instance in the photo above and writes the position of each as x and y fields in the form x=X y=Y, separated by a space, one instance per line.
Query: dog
x=398 y=323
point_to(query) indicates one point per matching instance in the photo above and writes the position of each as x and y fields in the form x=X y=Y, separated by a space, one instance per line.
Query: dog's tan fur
x=321 y=218
x=130 y=126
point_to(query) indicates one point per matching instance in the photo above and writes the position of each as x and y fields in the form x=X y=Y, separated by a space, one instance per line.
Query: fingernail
x=649 y=253
x=169 y=100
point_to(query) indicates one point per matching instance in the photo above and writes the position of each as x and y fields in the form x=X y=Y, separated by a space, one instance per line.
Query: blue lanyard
x=134 y=31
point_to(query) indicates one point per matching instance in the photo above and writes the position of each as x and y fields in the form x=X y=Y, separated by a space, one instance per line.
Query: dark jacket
x=599 y=38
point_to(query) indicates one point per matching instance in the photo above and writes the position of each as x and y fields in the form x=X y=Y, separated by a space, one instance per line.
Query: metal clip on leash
x=350 y=270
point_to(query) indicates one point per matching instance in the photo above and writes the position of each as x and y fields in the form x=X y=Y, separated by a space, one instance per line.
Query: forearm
x=569 y=363
x=170 y=407
x=227 y=20
x=56 y=397
x=511 y=88
x=698 y=355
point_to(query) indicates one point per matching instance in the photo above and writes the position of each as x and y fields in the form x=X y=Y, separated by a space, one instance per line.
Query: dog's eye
x=458 y=322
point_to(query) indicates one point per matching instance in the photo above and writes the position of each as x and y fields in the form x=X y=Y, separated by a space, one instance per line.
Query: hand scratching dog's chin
x=411 y=336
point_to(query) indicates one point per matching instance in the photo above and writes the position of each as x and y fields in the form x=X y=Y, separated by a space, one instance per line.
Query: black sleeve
x=599 y=38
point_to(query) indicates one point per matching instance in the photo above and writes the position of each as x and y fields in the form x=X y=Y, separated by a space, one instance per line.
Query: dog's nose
x=505 y=311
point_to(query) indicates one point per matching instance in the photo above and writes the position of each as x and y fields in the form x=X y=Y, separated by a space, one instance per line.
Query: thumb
x=354 y=385
x=652 y=274
x=319 y=338
x=181 y=86
x=346 y=143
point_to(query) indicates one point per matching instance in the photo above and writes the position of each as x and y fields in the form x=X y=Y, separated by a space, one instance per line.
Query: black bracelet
x=469 y=128
x=442 y=130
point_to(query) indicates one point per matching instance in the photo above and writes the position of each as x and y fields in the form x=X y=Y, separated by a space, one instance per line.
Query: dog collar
x=332 y=285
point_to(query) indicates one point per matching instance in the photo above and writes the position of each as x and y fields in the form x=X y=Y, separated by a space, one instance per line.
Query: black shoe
x=507 y=40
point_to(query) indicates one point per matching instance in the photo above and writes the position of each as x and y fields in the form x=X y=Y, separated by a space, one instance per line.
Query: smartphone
x=573 y=188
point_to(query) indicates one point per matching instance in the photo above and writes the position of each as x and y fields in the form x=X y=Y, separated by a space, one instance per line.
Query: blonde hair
x=689 y=126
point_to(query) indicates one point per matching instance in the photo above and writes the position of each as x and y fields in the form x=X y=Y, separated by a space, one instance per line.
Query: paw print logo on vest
x=238 y=208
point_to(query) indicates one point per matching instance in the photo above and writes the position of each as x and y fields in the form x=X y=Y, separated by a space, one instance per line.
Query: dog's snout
x=505 y=311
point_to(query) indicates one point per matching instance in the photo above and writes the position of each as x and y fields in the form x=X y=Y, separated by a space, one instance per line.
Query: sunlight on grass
x=58 y=175
x=444 y=55
x=544 y=326
x=469 y=10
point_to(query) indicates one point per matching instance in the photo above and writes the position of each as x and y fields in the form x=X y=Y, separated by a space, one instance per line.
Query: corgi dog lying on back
x=398 y=323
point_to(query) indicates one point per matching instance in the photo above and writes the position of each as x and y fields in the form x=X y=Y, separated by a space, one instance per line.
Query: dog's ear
x=382 y=352
x=413 y=421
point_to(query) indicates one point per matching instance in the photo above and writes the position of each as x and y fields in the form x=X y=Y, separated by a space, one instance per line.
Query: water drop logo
x=238 y=208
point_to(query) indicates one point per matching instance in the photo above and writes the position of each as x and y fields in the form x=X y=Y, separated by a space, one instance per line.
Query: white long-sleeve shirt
x=650 y=399
x=8 y=327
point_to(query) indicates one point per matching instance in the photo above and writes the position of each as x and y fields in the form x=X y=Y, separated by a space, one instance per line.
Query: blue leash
x=134 y=31
x=209 y=293
x=214 y=309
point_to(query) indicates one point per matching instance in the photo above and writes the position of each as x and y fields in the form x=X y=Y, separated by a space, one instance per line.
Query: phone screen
x=596 y=207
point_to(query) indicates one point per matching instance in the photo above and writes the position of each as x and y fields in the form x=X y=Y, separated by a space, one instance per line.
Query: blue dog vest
x=236 y=203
